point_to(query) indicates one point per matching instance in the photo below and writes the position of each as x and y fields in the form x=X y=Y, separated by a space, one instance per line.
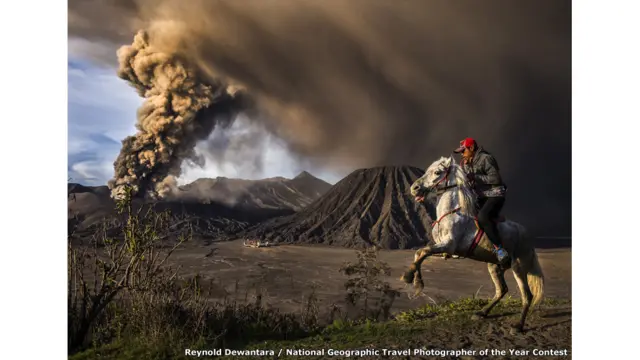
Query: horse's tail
x=535 y=280
x=535 y=277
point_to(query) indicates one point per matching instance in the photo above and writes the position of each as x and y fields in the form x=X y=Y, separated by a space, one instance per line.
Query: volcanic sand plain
x=285 y=274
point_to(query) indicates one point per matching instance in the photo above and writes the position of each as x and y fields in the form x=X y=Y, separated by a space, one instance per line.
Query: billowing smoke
x=180 y=108
x=359 y=83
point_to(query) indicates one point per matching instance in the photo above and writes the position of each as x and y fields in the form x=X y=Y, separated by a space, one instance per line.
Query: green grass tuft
x=407 y=328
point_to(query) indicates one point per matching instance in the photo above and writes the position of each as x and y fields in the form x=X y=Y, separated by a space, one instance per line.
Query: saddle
x=480 y=232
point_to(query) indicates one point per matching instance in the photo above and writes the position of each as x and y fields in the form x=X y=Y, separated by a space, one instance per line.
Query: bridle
x=444 y=179
x=442 y=190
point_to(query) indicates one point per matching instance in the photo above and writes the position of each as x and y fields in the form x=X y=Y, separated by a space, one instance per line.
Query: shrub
x=122 y=289
x=365 y=283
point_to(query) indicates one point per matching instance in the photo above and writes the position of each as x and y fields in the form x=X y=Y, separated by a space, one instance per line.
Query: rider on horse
x=484 y=174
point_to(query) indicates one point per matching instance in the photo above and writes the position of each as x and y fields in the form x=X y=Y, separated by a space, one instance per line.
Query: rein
x=441 y=191
x=443 y=216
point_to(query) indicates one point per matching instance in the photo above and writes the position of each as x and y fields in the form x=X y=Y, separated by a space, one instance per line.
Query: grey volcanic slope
x=215 y=207
x=89 y=207
x=369 y=206
x=272 y=193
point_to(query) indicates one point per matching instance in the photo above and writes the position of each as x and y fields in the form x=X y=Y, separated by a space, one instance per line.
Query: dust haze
x=364 y=83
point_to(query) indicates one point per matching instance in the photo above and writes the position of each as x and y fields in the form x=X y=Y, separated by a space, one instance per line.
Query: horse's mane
x=468 y=196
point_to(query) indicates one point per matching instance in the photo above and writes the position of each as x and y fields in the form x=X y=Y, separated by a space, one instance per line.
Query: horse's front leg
x=410 y=275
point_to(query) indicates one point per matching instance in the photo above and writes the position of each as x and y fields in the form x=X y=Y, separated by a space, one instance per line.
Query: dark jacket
x=486 y=172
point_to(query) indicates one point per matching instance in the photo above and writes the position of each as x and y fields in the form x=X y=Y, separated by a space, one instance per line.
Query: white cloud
x=91 y=172
x=76 y=145
x=99 y=53
x=101 y=88
x=100 y=102
x=102 y=111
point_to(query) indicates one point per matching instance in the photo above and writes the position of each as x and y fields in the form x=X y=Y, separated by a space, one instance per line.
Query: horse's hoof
x=408 y=277
x=478 y=315
x=516 y=329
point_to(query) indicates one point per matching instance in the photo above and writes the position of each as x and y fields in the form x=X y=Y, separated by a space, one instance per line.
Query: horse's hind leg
x=497 y=275
x=527 y=296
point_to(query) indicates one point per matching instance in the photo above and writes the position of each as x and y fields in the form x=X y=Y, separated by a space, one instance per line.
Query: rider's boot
x=494 y=236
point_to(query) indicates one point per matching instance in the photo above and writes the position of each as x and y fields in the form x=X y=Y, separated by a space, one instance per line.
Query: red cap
x=464 y=144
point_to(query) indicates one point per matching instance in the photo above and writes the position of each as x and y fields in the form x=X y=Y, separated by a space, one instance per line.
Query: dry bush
x=121 y=289
x=134 y=262
x=365 y=284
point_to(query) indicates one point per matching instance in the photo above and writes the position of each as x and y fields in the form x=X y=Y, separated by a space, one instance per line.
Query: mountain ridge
x=224 y=204
x=273 y=193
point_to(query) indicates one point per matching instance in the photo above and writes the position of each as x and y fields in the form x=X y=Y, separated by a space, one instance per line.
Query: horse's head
x=437 y=174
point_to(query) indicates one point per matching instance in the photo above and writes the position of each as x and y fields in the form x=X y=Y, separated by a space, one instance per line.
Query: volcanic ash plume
x=180 y=109
x=354 y=84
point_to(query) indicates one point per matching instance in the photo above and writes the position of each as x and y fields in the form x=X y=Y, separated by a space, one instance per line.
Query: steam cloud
x=349 y=84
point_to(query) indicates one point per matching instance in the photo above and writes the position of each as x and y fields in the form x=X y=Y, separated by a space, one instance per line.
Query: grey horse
x=454 y=233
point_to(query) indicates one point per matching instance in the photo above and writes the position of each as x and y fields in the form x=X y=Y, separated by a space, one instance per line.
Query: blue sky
x=102 y=111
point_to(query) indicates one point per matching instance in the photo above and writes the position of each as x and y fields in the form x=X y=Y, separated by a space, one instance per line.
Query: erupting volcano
x=368 y=207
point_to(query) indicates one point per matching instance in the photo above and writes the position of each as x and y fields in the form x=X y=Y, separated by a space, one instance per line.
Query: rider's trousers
x=490 y=209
